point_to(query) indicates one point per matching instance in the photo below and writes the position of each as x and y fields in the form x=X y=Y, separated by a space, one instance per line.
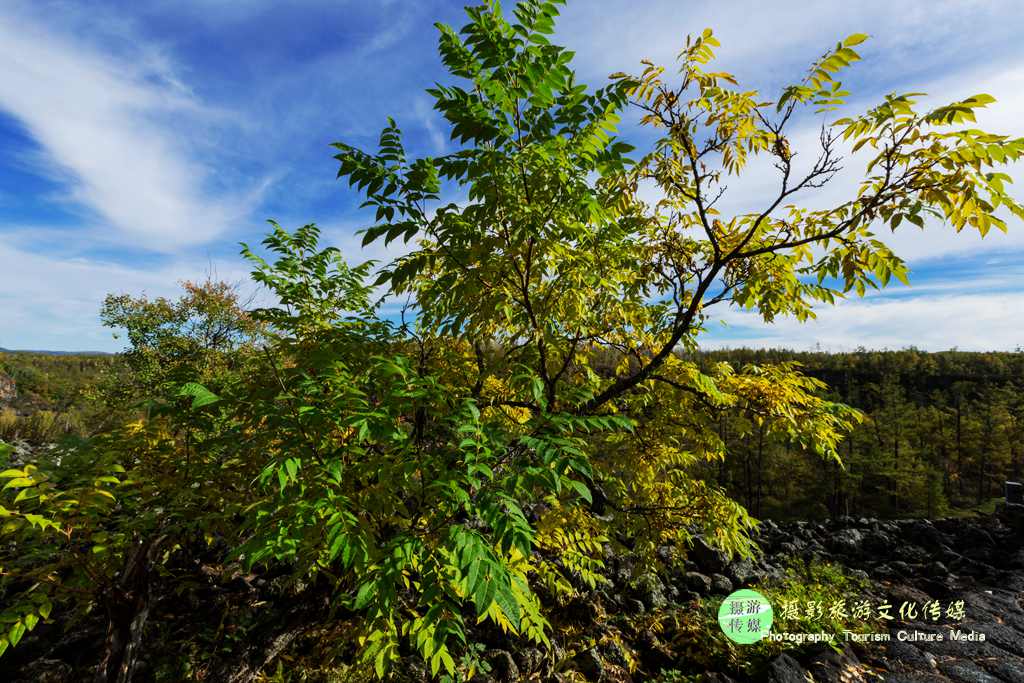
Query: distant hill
x=57 y=353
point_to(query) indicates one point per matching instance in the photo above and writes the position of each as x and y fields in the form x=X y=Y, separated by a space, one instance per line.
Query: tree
x=188 y=339
x=555 y=260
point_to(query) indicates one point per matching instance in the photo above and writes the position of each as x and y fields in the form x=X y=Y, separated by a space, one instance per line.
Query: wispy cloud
x=54 y=303
x=114 y=132
x=978 y=322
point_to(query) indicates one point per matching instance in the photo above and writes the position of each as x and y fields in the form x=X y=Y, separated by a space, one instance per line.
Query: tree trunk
x=760 y=469
x=127 y=604
x=959 y=450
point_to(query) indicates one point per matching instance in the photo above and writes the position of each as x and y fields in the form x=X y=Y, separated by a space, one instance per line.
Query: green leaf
x=31 y=620
x=16 y=632
x=201 y=396
x=581 y=489
x=365 y=594
x=507 y=602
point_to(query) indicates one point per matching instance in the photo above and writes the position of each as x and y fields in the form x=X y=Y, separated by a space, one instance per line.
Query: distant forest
x=941 y=431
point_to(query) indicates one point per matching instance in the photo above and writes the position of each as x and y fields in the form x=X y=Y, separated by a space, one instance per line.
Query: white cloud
x=970 y=322
x=115 y=130
x=54 y=303
x=428 y=120
x=758 y=38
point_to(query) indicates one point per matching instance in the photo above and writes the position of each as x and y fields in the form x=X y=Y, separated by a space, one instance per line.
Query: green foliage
x=54 y=542
x=45 y=398
x=172 y=342
x=543 y=405
x=822 y=584
x=381 y=476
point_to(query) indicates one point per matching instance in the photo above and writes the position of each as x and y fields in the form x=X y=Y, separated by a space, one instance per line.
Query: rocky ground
x=633 y=628
x=978 y=561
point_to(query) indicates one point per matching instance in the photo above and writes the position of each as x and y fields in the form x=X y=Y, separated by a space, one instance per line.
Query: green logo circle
x=745 y=616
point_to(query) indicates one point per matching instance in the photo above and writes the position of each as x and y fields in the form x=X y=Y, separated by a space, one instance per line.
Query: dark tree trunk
x=760 y=469
x=959 y=449
x=264 y=646
x=127 y=603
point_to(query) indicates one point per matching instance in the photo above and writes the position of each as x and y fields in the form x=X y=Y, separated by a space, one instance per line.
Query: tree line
x=942 y=431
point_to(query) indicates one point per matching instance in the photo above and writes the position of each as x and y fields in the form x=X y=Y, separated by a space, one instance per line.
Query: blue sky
x=140 y=141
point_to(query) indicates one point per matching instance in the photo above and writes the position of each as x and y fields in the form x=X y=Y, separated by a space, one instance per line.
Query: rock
x=410 y=669
x=882 y=570
x=529 y=660
x=634 y=606
x=837 y=666
x=743 y=572
x=922 y=532
x=847 y=541
x=913 y=554
x=651 y=591
x=613 y=652
x=47 y=671
x=788 y=549
x=503 y=667
x=589 y=664
x=908 y=655
x=785 y=669
x=709 y=560
x=721 y=584
x=877 y=542
x=697 y=582
x=967 y=672
x=902 y=569
x=1007 y=669
x=667 y=554
x=858 y=574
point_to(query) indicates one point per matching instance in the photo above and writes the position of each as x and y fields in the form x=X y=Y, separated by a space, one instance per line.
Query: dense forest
x=941 y=431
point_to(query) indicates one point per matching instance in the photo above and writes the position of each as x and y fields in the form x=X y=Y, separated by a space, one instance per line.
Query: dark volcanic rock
x=709 y=560
x=847 y=541
x=743 y=572
x=967 y=672
x=47 y=671
x=503 y=667
x=721 y=584
x=651 y=591
x=785 y=669
x=698 y=583
x=837 y=666
x=590 y=665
